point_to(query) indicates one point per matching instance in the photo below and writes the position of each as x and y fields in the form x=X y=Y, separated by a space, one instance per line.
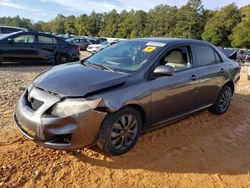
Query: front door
x=20 y=47
x=175 y=95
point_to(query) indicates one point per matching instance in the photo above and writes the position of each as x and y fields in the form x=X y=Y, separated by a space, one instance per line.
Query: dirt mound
x=203 y=150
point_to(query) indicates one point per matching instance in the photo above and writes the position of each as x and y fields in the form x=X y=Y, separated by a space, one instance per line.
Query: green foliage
x=219 y=27
x=16 y=21
x=241 y=33
x=189 y=20
x=224 y=27
x=161 y=21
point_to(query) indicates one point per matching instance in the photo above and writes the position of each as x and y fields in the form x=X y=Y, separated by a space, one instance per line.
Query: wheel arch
x=141 y=111
x=231 y=85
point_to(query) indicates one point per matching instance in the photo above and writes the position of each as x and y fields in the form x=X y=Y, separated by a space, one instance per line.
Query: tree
x=161 y=20
x=225 y=27
x=57 y=25
x=219 y=27
x=125 y=24
x=93 y=24
x=69 y=25
x=80 y=24
x=110 y=24
x=241 y=33
x=189 y=20
x=138 y=24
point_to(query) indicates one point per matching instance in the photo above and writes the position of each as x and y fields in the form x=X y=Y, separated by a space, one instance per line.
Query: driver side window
x=179 y=58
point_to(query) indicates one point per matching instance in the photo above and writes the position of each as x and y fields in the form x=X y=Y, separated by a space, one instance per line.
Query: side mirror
x=164 y=70
x=10 y=40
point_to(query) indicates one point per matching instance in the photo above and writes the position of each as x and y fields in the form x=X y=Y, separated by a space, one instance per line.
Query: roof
x=170 y=40
x=13 y=27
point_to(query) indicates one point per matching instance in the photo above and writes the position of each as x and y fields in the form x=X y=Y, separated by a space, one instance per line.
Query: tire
x=120 y=131
x=61 y=59
x=223 y=101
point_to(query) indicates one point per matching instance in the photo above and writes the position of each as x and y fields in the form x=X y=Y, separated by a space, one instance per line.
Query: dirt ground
x=203 y=150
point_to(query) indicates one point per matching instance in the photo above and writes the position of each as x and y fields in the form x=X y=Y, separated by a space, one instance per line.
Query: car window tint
x=179 y=58
x=46 y=40
x=24 y=39
x=204 y=55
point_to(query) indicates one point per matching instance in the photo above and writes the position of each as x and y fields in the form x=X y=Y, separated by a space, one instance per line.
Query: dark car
x=9 y=29
x=122 y=91
x=247 y=58
x=82 y=42
x=40 y=47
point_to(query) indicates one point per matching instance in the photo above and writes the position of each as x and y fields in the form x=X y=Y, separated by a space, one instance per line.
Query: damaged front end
x=58 y=123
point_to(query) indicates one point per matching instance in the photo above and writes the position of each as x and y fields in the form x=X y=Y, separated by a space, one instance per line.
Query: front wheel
x=223 y=101
x=120 y=131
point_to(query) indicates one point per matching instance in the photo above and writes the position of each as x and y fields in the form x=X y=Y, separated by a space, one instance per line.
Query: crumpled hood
x=77 y=80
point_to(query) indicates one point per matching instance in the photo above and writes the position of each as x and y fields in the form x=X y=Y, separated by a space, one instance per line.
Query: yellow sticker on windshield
x=149 y=49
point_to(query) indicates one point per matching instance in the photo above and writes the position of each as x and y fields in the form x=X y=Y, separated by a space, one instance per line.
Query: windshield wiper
x=99 y=66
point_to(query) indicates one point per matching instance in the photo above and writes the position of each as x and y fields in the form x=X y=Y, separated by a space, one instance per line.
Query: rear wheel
x=61 y=59
x=120 y=131
x=223 y=101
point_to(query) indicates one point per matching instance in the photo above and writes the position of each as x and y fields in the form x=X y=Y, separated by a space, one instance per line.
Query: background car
x=9 y=29
x=247 y=58
x=81 y=42
x=33 y=47
x=93 y=48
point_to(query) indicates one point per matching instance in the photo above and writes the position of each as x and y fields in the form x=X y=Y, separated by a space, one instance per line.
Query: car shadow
x=202 y=143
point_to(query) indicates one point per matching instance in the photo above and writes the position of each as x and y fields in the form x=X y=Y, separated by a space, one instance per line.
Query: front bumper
x=72 y=132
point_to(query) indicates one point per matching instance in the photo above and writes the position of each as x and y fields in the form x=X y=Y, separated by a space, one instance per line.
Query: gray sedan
x=83 y=43
x=112 y=97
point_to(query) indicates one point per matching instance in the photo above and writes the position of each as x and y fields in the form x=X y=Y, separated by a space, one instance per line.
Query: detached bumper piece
x=72 y=132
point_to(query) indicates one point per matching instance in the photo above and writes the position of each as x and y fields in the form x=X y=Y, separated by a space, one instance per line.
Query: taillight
x=78 y=48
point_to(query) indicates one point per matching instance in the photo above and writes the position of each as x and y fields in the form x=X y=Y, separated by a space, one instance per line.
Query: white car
x=93 y=48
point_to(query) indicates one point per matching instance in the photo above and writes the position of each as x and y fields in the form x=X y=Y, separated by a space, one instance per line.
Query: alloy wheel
x=124 y=131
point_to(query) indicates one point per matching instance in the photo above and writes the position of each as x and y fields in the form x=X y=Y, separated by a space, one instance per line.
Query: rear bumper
x=72 y=132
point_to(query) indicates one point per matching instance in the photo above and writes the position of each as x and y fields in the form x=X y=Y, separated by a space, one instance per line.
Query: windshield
x=128 y=56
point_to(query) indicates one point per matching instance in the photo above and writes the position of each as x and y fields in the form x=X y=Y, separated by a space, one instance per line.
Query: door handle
x=194 y=77
x=222 y=70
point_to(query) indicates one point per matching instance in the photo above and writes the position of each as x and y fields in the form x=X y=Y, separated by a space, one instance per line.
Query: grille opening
x=36 y=104
x=62 y=139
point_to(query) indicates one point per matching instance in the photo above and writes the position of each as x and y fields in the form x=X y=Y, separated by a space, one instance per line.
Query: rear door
x=20 y=47
x=47 y=46
x=175 y=95
x=212 y=71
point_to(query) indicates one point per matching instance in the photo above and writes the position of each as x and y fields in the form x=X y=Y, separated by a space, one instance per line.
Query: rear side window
x=204 y=55
x=46 y=40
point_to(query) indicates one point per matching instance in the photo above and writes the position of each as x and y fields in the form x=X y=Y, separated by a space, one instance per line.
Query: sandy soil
x=203 y=150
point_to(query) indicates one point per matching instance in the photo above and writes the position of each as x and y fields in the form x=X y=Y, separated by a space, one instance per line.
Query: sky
x=46 y=10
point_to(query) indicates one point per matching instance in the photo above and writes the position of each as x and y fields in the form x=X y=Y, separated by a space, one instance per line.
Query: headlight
x=69 y=107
